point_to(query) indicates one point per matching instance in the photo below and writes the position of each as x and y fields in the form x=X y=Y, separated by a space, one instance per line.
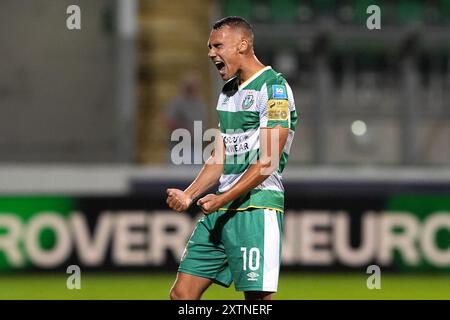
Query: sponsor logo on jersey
x=277 y=110
x=225 y=100
x=252 y=276
x=279 y=91
x=248 y=102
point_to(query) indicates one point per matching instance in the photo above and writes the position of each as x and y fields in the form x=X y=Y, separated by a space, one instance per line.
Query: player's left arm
x=272 y=142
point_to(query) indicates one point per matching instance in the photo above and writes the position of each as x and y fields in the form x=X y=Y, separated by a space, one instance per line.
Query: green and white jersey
x=263 y=101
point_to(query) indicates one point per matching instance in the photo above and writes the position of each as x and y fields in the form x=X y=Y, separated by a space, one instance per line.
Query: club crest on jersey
x=248 y=102
x=279 y=91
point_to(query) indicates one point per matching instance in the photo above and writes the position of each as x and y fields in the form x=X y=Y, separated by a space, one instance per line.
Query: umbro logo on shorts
x=252 y=276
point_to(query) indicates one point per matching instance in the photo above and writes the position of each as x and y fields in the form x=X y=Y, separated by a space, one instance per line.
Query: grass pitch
x=292 y=286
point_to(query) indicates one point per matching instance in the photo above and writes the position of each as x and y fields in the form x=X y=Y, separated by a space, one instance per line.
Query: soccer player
x=239 y=238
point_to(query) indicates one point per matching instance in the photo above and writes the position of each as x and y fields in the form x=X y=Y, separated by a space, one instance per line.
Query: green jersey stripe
x=293 y=120
x=258 y=198
x=238 y=163
x=240 y=120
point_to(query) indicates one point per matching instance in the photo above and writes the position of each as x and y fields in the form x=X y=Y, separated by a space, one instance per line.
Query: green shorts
x=239 y=246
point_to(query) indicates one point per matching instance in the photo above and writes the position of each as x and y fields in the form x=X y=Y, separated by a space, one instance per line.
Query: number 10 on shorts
x=252 y=258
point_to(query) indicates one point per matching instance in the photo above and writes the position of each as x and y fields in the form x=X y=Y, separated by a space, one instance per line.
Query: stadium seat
x=284 y=11
x=409 y=11
x=241 y=8
x=444 y=9
x=324 y=7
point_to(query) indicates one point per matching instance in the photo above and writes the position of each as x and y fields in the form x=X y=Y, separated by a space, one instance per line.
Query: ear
x=243 y=46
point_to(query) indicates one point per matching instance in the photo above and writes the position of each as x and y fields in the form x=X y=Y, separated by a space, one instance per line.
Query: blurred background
x=86 y=117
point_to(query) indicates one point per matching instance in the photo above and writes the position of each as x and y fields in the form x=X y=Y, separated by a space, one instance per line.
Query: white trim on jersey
x=271 y=251
x=253 y=77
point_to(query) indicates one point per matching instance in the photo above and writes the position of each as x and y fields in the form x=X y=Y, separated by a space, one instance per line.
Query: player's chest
x=245 y=100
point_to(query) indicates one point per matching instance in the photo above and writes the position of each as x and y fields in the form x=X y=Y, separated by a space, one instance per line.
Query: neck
x=249 y=68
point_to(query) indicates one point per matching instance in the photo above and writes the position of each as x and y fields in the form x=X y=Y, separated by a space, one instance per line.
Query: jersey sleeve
x=274 y=106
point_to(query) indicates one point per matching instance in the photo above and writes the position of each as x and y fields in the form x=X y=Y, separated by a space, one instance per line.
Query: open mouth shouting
x=220 y=65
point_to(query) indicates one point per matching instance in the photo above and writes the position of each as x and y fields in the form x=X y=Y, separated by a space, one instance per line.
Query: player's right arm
x=208 y=176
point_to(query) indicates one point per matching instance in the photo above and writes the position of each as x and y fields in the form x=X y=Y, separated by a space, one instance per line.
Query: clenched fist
x=178 y=200
x=210 y=203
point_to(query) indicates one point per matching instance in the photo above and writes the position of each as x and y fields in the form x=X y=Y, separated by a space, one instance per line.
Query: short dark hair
x=234 y=21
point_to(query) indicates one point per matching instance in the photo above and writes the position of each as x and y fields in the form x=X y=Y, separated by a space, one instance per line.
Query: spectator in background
x=184 y=109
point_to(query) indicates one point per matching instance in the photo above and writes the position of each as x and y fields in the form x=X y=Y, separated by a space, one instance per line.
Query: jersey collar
x=253 y=77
